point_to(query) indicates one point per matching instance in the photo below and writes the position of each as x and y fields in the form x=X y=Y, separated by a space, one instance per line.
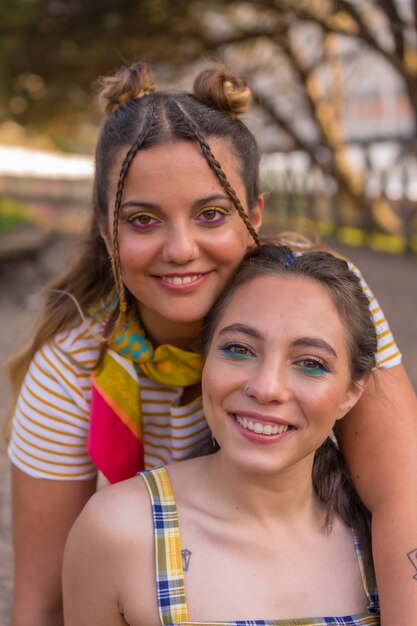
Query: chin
x=259 y=465
x=186 y=316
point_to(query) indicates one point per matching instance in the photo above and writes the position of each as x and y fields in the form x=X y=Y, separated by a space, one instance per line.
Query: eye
x=212 y=215
x=237 y=351
x=142 y=221
x=311 y=365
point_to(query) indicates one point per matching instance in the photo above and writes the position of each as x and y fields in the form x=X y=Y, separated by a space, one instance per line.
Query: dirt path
x=393 y=279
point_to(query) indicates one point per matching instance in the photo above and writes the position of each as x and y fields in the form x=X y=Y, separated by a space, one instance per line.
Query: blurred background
x=334 y=112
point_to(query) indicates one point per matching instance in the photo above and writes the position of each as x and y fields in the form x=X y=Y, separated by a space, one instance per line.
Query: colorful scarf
x=115 y=440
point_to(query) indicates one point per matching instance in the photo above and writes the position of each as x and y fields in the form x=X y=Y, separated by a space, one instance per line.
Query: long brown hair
x=331 y=478
x=138 y=116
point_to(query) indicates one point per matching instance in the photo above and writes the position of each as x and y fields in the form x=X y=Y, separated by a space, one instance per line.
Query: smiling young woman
x=111 y=380
x=296 y=381
x=179 y=242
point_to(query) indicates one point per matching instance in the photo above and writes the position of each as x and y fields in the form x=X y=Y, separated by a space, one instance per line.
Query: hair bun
x=125 y=85
x=220 y=88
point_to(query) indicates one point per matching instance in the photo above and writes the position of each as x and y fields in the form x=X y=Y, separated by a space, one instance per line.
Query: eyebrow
x=210 y=199
x=309 y=342
x=196 y=204
x=138 y=203
x=315 y=342
x=241 y=328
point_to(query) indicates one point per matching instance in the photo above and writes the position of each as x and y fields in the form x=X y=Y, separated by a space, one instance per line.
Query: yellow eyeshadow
x=216 y=209
x=130 y=218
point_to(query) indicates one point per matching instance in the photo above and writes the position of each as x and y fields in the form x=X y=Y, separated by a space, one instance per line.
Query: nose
x=180 y=246
x=270 y=383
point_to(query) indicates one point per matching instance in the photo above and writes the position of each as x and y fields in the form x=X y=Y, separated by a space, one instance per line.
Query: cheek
x=208 y=381
x=209 y=403
x=214 y=384
x=321 y=400
x=222 y=382
x=134 y=255
x=230 y=244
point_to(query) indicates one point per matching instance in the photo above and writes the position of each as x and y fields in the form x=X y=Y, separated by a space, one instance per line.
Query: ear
x=256 y=213
x=255 y=216
x=352 y=396
x=105 y=236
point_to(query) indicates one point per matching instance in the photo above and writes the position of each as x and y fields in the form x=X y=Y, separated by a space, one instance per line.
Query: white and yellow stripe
x=51 y=421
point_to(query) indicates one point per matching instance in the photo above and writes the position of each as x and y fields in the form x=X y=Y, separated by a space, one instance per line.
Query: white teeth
x=262 y=429
x=178 y=280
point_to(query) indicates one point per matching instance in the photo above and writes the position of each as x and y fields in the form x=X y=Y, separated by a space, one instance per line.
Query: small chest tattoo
x=186 y=557
x=412 y=556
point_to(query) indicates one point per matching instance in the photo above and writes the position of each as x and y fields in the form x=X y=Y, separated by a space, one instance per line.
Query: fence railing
x=300 y=196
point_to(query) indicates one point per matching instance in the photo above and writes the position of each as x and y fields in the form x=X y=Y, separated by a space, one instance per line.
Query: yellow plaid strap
x=368 y=577
x=169 y=573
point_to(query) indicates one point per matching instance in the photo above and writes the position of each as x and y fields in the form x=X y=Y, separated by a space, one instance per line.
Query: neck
x=286 y=497
x=161 y=331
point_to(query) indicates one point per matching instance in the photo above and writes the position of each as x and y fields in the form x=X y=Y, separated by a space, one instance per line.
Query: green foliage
x=52 y=51
x=13 y=215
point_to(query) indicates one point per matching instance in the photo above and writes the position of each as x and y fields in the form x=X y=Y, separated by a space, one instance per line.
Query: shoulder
x=68 y=358
x=70 y=352
x=388 y=353
x=52 y=414
x=80 y=342
x=109 y=558
x=116 y=515
x=60 y=371
x=353 y=268
x=113 y=531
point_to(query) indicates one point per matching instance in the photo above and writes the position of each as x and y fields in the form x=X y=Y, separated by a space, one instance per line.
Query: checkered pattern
x=170 y=579
x=347 y=620
x=169 y=574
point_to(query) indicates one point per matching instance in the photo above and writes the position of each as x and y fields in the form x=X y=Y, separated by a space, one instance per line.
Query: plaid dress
x=172 y=604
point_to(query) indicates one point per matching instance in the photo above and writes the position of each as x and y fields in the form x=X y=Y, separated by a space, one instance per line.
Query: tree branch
x=299 y=142
x=365 y=34
x=396 y=24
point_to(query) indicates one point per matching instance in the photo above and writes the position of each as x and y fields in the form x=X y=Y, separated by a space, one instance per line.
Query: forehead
x=181 y=160
x=285 y=307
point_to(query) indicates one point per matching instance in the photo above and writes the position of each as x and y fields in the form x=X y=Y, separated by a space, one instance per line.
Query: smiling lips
x=261 y=429
x=254 y=427
x=175 y=281
x=181 y=280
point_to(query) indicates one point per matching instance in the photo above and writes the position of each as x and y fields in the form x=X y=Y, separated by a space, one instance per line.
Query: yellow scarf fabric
x=115 y=441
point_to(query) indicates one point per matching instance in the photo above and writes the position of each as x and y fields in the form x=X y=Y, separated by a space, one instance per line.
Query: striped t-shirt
x=51 y=420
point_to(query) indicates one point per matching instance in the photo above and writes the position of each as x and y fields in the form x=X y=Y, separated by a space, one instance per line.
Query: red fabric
x=111 y=445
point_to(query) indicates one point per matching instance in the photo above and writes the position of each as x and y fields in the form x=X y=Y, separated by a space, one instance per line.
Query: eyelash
x=229 y=351
x=219 y=211
x=131 y=220
x=221 y=214
x=318 y=366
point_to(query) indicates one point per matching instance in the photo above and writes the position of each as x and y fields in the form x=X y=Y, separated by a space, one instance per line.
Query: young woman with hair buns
x=111 y=380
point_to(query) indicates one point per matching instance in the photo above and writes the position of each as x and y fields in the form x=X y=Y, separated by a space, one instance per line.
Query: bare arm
x=109 y=560
x=379 y=438
x=91 y=571
x=43 y=513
